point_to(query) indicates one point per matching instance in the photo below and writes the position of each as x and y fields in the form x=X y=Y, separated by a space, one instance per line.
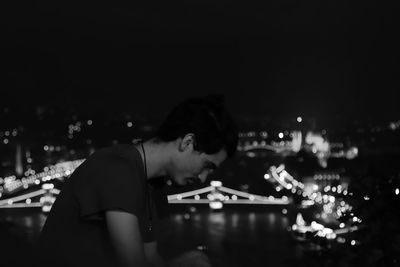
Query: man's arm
x=152 y=254
x=126 y=239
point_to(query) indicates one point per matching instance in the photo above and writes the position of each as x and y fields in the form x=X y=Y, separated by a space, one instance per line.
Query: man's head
x=205 y=135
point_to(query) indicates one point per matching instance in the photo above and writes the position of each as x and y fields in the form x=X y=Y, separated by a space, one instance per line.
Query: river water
x=234 y=236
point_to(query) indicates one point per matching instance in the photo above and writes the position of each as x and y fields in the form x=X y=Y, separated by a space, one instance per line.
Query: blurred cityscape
x=337 y=185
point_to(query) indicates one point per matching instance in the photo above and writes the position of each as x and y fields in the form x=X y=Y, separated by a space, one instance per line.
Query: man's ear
x=187 y=142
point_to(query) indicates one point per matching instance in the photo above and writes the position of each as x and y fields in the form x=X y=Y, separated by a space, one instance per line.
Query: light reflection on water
x=233 y=237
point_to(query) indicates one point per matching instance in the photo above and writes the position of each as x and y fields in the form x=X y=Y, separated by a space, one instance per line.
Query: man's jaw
x=189 y=180
x=192 y=180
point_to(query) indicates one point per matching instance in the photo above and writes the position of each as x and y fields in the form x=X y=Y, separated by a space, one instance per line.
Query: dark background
x=270 y=58
x=334 y=62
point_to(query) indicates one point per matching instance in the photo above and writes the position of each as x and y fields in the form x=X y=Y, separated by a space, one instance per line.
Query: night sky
x=269 y=58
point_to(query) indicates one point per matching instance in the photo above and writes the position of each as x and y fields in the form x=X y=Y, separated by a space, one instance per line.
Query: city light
x=216 y=183
x=325 y=193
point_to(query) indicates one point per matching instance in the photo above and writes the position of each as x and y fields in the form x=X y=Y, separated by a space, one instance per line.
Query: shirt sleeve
x=110 y=183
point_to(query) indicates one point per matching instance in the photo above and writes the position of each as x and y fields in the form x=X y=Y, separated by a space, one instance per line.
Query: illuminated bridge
x=215 y=195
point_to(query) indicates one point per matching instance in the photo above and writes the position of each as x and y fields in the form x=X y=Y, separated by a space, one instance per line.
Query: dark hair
x=209 y=121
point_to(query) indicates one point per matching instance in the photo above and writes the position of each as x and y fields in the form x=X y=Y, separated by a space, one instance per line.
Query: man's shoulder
x=120 y=160
x=115 y=149
x=118 y=152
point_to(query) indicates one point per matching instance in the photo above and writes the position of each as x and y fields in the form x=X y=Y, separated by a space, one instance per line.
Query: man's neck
x=156 y=155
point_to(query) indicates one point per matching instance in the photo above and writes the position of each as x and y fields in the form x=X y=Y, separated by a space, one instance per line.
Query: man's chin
x=178 y=183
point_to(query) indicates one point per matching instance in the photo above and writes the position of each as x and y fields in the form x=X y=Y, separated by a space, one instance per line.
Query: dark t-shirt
x=75 y=232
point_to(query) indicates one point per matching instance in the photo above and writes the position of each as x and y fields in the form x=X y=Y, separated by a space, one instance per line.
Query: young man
x=108 y=211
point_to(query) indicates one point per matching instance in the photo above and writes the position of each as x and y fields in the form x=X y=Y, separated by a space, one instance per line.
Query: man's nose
x=203 y=176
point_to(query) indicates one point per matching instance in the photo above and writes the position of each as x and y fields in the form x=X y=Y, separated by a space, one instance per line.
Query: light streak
x=23 y=197
x=22 y=205
x=191 y=193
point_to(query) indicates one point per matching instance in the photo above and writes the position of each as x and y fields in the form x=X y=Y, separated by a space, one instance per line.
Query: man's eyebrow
x=211 y=165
